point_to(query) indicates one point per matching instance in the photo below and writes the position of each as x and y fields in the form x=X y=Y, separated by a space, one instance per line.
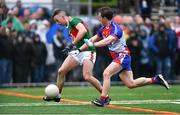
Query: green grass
x=117 y=93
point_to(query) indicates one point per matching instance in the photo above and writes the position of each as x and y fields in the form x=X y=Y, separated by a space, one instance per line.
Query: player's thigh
x=87 y=66
x=126 y=77
x=68 y=64
x=112 y=69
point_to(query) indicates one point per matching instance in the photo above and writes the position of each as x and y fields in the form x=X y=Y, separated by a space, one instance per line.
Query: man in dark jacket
x=21 y=60
x=6 y=49
x=162 y=46
x=39 y=60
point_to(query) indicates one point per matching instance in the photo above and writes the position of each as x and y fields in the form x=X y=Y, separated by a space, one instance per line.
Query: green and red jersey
x=73 y=31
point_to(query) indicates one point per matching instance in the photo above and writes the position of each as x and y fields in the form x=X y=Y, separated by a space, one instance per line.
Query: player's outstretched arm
x=92 y=39
x=101 y=43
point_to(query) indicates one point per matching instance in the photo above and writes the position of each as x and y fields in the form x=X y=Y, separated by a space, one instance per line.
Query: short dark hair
x=57 y=11
x=106 y=12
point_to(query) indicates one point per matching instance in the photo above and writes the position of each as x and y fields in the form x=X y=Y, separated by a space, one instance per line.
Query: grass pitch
x=144 y=100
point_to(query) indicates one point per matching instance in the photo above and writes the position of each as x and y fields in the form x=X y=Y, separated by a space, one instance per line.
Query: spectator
x=53 y=30
x=138 y=20
x=6 y=50
x=177 y=29
x=173 y=45
x=145 y=8
x=10 y=25
x=17 y=25
x=144 y=54
x=135 y=46
x=20 y=8
x=42 y=30
x=26 y=15
x=21 y=60
x=160 y=45
x=3 y=11
x=42 y=13
x=15 y=12
x=149 y=25
x=34 y=15
x=118 y=19
x=29 y=35
x=38 y=60
x=33 y=26
x=153 y=28
x=59 y=44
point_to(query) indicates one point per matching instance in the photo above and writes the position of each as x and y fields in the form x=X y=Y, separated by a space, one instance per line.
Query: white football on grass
x=51 y=91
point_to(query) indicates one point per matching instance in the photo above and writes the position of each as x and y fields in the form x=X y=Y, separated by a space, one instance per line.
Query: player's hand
x=65 y=51
x=68 y=49
x=89 y=43
x=74 y=52
x=72 y=47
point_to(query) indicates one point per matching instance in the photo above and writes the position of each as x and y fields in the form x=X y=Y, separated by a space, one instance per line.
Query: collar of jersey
x=109 y=25
x=68 y=22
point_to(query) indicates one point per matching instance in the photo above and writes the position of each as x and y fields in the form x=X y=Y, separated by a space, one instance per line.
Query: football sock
x=152 y=80
x=103 y=97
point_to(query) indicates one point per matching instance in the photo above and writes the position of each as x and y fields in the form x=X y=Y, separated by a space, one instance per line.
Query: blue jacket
x=53 y=30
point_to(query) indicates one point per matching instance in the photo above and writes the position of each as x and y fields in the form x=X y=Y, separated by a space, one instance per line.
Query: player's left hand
x=68 y=49
x=65 y=51
x=89 y=43
x=72 y=47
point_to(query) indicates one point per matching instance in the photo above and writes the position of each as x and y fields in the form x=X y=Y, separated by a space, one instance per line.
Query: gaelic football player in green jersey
x=78 y=32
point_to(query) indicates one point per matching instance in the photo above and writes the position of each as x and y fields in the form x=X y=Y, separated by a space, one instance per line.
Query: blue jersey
x=119 y=45
x=118 y=49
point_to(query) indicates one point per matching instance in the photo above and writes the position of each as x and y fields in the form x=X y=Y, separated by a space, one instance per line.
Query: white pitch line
x=145 y=101
x=35 y=104
x=175 y=102
x=112 y=102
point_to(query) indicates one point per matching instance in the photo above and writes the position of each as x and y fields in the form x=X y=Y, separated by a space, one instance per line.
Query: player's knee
x=61 y=72
x=131 y=85
x=87 y=76
x=106 y=75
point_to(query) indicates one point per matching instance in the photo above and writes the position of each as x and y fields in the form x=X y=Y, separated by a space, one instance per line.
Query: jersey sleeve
x=116 y=31
x=75 y=22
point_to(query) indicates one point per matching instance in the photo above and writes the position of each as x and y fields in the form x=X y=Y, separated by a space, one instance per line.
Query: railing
x=166 y=11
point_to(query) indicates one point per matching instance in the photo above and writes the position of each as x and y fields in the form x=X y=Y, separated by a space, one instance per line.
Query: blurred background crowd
x=31 y=43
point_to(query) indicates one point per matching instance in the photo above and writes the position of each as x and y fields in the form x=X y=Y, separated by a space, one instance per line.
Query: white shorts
x=85 y=55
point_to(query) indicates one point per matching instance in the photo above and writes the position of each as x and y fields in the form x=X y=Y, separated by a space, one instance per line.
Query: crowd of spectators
x=31 y=46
